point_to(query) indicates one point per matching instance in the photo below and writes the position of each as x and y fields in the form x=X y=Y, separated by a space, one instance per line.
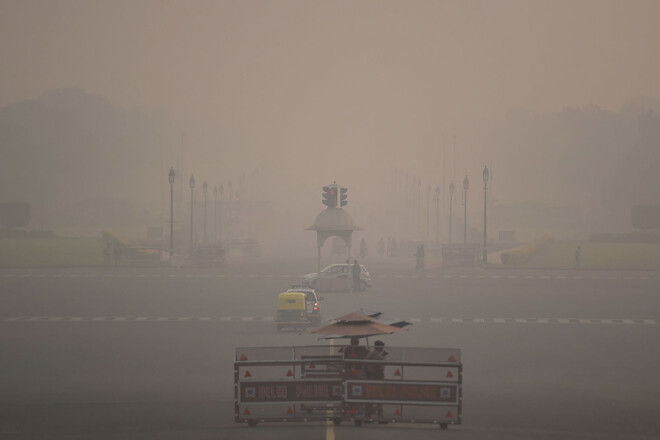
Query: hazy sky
x=313 y=80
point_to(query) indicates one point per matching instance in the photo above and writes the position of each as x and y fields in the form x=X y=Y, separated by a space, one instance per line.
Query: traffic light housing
x=343 y=197
x=330 y=196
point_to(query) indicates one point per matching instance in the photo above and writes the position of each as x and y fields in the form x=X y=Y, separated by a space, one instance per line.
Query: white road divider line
x=603 y=321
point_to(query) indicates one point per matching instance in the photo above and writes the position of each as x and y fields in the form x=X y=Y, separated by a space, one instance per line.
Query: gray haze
x=559 y=98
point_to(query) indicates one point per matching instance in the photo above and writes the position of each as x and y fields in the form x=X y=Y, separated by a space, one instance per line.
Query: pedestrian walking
x=420 y=257
x=356 y=270
x=577 y=257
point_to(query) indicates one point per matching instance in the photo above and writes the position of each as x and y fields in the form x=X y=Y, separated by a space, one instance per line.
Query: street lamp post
x=437 y=213
x=466 y=185
x=192 y=202
x=451 y=205
x=171 y=176
x=205 y=189
x=222 y=190
x=215 y=213
x=485 y=177
x=428 y=210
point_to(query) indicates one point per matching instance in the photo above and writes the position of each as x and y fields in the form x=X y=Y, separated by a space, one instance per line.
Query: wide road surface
x=147 y=353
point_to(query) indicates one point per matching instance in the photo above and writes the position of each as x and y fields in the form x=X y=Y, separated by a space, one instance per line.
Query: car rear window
x=291 y=301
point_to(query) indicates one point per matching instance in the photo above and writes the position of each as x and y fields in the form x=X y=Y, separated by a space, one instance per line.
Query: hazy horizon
x=347 y=91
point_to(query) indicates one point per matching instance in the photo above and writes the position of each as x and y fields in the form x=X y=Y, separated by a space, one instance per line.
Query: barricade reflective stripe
x=281 y=384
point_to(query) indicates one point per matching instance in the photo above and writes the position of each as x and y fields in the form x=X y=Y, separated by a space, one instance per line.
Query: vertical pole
x=192 y=202
x=465 y=220
x=451 y=206
x=437 y=214
x=485 y=237
x=204 y=217
x=171 y=219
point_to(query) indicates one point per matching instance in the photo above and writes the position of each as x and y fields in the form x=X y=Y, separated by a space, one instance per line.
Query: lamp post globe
x=485 y=174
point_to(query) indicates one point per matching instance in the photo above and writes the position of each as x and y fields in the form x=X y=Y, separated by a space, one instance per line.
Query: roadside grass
x=55 y=251
x=597 y=255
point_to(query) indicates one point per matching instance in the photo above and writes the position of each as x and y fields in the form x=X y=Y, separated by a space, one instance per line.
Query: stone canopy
x=333 y=222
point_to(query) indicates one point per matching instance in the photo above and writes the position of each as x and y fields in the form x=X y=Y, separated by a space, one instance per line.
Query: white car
x=337 y=277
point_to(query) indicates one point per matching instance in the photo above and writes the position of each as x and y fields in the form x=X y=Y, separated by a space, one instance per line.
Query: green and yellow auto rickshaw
x=297 y=308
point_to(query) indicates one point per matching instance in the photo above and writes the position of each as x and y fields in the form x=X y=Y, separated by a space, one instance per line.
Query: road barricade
x=318 y=383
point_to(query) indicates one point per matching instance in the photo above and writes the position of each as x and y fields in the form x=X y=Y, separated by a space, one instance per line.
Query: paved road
x=88 y=353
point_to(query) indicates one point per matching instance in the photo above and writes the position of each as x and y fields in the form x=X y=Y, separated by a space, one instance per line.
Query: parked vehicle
x=337 y=277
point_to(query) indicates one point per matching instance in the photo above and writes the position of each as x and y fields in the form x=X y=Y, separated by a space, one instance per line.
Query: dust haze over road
x=267 y=102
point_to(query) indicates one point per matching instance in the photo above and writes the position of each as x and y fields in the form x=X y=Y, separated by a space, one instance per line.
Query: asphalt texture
x=148 y=353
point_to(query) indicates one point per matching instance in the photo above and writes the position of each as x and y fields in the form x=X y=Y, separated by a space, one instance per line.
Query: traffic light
x=343 y=197
x=330 y=196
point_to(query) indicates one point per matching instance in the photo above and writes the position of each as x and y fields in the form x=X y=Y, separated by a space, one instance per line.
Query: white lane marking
x=252 y=276
x=220 y=276
x=270 y=318
x=529 y=277
x=140 y=275
x=512 y=277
